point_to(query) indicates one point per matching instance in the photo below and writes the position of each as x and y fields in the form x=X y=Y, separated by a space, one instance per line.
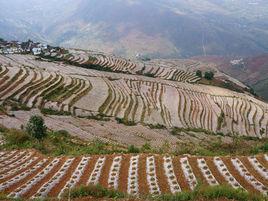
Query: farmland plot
x=42 y=176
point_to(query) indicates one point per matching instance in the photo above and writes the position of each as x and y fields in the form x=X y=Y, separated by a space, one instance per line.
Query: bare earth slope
x=131 y=98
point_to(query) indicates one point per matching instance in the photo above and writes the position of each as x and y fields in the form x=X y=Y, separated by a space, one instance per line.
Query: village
x=28 y=47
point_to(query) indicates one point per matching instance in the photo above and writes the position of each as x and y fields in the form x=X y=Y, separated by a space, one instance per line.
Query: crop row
x=117 y=64
x=134 y=99
x=142 y=174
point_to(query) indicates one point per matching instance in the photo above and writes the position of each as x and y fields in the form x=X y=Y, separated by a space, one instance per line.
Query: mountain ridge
x=166 y=29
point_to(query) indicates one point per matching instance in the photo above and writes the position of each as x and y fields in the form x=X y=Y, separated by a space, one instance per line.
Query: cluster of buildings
x=28 y=47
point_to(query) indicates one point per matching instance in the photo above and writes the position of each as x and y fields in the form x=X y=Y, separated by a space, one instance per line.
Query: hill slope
x=129 y=98
x=252 y=71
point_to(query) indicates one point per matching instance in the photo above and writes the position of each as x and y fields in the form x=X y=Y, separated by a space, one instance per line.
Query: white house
x=36 y=51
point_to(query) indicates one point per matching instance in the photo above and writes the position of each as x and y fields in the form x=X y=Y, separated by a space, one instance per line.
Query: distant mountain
x=157 y=28
x=252 y=70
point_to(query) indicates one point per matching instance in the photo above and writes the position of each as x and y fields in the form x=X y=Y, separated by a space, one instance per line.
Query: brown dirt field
x=197 y=172
x=123 y=175
x=56 y=190
x=20 y=171
x=14 y=160
x=10 y=157
x=37 y=186
x=23 y=181
x=89 y=168
x=215 y=171
x=252 y=171
x=11 y=168
x=160 y=173
x=235 y=173
x=179 y=174
x=105 y=171
x=143 y=184
x=262 y=160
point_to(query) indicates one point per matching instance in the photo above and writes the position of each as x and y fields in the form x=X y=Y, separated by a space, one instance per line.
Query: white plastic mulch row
x=24 y=188
x=188 y=173
x=76 y=175
x=206 y=172
x=258 y=167
x=225 y=173
x=133 y=186
x=95 y=175
x=170 y=174
x=46 y=187
x=114 y=172
x=250 y=178
x=151 y=176
x=21 y=175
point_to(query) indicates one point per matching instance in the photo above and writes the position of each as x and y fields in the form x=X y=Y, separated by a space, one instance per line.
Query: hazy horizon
x=172 y=28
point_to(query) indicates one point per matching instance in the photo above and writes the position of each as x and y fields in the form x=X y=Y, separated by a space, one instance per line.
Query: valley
x=134 y=100
x=140 y=127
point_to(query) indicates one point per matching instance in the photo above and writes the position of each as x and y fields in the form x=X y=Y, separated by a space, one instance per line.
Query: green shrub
x=209 y=75
x=19 y=106
x=148 y=74
x=36 y=127
x=220 y=120
x=133 y=149
x=198 y=73
x=265 y=147
x=125 y=121
x=146 y=147
x=156 y=126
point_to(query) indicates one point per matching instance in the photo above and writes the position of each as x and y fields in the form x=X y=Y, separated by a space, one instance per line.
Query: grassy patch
x=57 y=143
x=219 y=147
x=133 y=149
x=15 y=105
x=94 y=191
x=53 y=95
x=125 y=121
x=156 y=126
x=176 y=130
x=199 y=193
x=98 y=117
x=49 y=111
x=213 y=193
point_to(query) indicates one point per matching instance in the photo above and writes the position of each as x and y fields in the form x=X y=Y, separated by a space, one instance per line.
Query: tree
x=209 y=75
x=198 y=73
x=36 y=127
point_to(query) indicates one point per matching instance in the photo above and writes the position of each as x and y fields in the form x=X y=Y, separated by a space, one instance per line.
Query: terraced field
x=182 y=72
x=31 y=175
x=132 y=98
